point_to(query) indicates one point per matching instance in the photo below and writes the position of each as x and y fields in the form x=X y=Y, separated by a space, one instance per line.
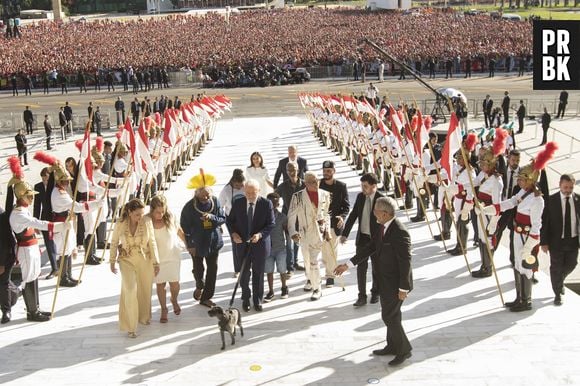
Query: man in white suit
x=309 y=224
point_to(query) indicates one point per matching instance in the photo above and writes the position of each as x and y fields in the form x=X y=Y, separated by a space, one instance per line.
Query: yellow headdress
x=201 y=180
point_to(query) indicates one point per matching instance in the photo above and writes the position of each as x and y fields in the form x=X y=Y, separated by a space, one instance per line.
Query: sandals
x=163 y=318
x=176 y=308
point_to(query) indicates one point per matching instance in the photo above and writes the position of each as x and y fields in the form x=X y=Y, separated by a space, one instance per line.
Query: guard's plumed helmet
x=20 y=187
x=59 y=171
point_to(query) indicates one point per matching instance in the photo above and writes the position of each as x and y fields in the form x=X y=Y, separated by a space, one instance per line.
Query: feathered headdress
x=100 y=144
x=490 y=155
x=470 y=142
x=428 y=122
x=201 y=180
x=59 y=171
x=20 y=187
x=531 y=172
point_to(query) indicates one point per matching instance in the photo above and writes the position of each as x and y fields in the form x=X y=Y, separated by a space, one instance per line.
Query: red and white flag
x=451 y=146
x=128 y=138
x=170 y=133
x=143 y=148
x=85 y=158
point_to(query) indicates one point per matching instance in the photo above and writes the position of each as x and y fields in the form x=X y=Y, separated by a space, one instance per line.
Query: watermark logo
x=556 y=55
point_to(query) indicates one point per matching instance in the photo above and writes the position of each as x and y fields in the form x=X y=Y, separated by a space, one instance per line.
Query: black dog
x=228 y=319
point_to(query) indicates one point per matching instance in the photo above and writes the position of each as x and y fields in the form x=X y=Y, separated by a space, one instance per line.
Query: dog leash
x=247 y=254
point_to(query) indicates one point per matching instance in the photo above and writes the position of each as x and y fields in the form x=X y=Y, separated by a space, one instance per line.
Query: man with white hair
x=309 y=209
x=250 y=222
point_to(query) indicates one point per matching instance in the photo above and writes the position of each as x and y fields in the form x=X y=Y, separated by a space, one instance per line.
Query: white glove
x=467 y=206
x=489 y=210
x=115 y=192
x=408 y=174
x=432 y=179
x=60 y=227
x=452 y=189
x=92 y=205
x=492 y=226
x=528 y=246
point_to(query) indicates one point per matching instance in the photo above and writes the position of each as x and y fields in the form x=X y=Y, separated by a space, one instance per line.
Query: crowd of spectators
x=258 y=40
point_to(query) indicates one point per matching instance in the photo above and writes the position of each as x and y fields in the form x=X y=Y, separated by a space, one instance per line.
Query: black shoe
x=246 y=305
x=269 y=296
x=45 y=313
x=417 y=219
x=330 y=282
x=298 y=267
x=534 y=280
x=258 y=307
x=52 y=274
x=444 y=236
x=284 y=294
x=557 y=301
x=93 y=261
x=374 y=298
x=360 y=302
x=67 y=283
x=37 y=317
x=399 y=359
x=384 y=351
x=476 y=244
x=455 y=252
x=521 y=307
x=511 y=304
x=481 y=273
x=6 y=316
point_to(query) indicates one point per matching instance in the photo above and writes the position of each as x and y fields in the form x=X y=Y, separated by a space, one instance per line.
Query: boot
x=518 y=283
x=90 y=254
x=31 y=301
x=69 y=271
x=525 y=303
x=45 y=313
x=420 y=215
x=64 y=280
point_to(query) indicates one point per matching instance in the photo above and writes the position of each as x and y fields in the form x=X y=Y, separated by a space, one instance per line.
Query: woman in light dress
x=134 y=247
x=257 y=171
x=169 y=238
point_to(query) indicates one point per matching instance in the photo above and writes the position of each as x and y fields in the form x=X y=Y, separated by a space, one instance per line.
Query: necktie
x=250 y=218
x=567 y=220
x=383 y=231
x=368 y=209
x=511 y=184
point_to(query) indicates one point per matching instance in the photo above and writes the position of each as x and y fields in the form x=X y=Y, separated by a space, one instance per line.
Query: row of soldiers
x=477 y=185
x=72 y=204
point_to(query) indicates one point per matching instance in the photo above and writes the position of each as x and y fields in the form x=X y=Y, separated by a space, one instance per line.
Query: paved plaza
x=461 y=334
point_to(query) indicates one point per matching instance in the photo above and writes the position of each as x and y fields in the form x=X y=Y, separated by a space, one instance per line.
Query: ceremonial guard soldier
x=490 y=189
x=529 y=205
x=462 y=193
x=24 y=227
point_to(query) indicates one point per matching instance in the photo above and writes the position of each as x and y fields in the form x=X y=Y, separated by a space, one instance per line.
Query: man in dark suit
x=521 y=113
x=292 y=156
x=505 y=106
x=367 y=229
x=120 y=110
x=43 y=211
x=68 y=113
x=487 y=108
x=47 y=131
x=28 y=120
x=135 y=111
x=251 y=219
x=339 y=207
x=390 y=249
x=562 y=104
x=546 y=120
x=21 y=147
x=559 y=233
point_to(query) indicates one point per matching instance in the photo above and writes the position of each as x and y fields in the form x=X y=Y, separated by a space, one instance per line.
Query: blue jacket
x=205 y=241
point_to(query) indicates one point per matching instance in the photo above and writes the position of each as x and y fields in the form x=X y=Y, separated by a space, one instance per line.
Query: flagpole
x=69 y=218
x=480 y=217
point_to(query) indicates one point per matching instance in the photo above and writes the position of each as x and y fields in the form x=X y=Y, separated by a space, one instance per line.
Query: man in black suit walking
x=487 y=107
x=292 y=156
x=391 y=257
x=43 y=211
x=367 y=229
x=559 y=233
x=521 y=113
x=252 y=219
